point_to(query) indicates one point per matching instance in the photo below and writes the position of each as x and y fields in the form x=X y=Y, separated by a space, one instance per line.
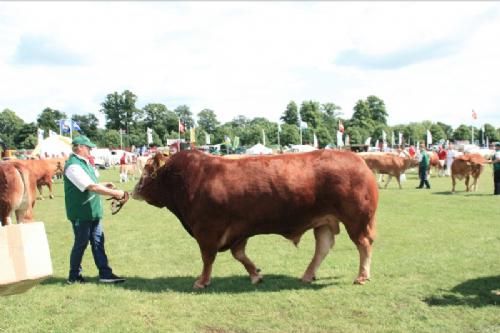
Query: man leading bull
x=84 y=210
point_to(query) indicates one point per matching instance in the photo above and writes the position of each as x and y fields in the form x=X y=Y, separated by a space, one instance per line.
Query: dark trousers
x=496 y=181
x=85 y=232
x=422 y=173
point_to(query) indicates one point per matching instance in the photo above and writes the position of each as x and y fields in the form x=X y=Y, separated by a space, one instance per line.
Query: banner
x=347 y=140
x=182 y=129
x=368 y=141
x=384 y=136
x=315 y=141
x=340 y=143
x=207 y=138
x=341 y=127
x=40 y=133
x=263 y=137
x=192 y=135
x=400 y=141
x=149 y=134
x=429 y=138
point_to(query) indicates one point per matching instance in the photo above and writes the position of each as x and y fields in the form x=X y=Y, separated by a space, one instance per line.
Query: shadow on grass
x=443 y=193
x=230 y=284
x=474 y=293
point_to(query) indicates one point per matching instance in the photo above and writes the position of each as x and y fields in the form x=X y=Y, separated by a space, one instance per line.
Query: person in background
x=123 y=172
x=496 y=169
x=411 y=151
x=450 y=156
x=423 y=168
x=84 y=210
x=442 y=160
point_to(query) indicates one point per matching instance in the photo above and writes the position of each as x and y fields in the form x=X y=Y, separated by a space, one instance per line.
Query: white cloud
x=253 y=58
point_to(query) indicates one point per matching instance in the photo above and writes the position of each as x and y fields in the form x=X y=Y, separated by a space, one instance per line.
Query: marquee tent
x=53 y=146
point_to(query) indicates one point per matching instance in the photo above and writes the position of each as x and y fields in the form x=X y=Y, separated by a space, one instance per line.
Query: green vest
x=496 y=157
x=424 y=162
x=86 y=205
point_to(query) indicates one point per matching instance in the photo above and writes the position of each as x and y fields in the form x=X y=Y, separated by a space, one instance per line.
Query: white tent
x=259 y=149
x=53 y=146
x=302 y=148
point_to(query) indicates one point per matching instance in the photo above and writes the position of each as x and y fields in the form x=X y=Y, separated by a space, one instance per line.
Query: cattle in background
x=466 y=166
x=388 y=164
x=17 y=193
x=43 y=171
x=434 y=163
x=223 y=202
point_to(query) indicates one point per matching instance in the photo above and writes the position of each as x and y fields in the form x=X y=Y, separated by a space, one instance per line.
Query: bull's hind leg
x=208 y=256
x=365 y=258
x=238 y=252
x=325 y=239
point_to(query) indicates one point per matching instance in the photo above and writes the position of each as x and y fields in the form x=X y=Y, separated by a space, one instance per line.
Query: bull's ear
x=158 y=161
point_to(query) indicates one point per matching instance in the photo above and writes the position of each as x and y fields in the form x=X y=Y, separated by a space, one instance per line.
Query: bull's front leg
x=238 y=252
x=467 y=188
x=40 y=197
x=49 y=185
x=208 y=255
x=325 y=239
x=365 y=258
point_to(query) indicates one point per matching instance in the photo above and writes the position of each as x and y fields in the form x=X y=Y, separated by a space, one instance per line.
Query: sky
x=426 y=60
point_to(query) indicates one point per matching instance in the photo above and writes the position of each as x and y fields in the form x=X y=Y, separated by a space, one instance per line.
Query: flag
x=341 y=127
x=40 y=133
x=303 y=124
x=75 y=126
x=474 y=114
x=368 y=141
x=315 y=141
x=429 y=138
x=279 y=128
x=384 y=136
x=347 y=140
x=376 y=144
x=182 y=129
x=236 y=142
x=263 y=137
x=400 y=138
x=64 y=126
x=207 y=138
x=393 y=139
x=340 y=143
x=149 y=134
x=227 y=139
x=192 y=134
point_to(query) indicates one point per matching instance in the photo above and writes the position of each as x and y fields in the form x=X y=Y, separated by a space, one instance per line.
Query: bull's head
x=149 y=174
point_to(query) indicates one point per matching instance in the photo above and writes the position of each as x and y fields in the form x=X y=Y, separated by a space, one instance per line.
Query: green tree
x=310 y=113
x=490 y=133
x=447 y=129
x=377 y=109
x=437 y=133
x=111 y=138
x=88 y=124
x=289 y=134
x=207 y=121
x=463 y=132
x=10 y=125
x=26 y=137
x=49 y=120
x=185 y=115
x=120 y=110
x=291 y=115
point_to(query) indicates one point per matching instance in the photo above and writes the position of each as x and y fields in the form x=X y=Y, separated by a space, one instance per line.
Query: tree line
x=369 y=120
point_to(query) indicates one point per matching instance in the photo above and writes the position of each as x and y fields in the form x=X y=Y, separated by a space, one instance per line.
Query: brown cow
x=17 y=193
x=222 y=202
x=466 y=166
x=42 y=171
x=389 y=164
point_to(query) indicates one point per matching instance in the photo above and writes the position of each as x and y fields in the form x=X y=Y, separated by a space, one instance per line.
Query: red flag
x=474 y=114
x=181 y=127
x=341 y=127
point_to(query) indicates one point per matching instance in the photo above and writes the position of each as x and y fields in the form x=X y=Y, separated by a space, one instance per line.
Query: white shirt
x=78 y=176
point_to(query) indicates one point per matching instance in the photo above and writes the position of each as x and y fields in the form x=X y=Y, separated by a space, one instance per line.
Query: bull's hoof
x=51 y=196
x=39 y=198
x=256 y=279
x=361 y=280
x=200 y=285
x=308 y=279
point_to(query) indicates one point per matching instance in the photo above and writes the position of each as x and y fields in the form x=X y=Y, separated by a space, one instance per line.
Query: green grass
x=435 y=262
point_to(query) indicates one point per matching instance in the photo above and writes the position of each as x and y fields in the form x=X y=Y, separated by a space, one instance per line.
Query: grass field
x=435 y=262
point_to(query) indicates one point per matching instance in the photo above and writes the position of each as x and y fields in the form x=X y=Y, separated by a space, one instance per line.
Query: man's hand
x=118 y=203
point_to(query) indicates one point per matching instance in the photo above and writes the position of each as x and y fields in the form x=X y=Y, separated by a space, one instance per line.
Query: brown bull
x=223 y=202
x=17 y=193
x=389 y=164
x=466 y=166
x=43 y=171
